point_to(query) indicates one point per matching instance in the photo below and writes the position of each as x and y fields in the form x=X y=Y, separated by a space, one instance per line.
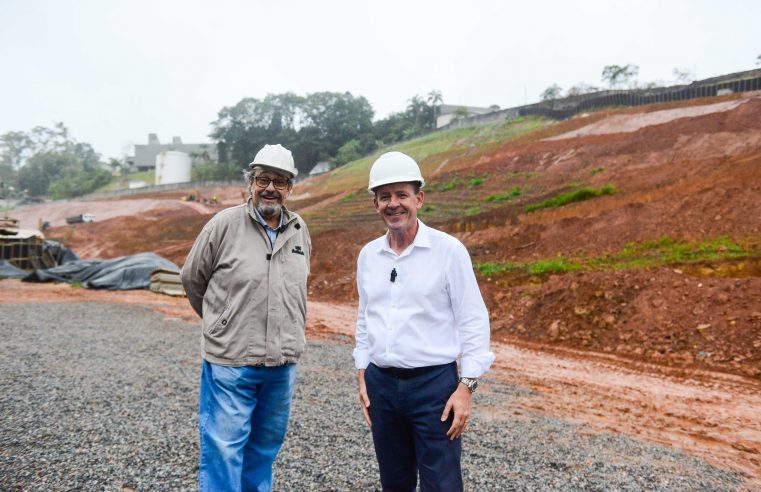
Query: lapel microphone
x=393 y=275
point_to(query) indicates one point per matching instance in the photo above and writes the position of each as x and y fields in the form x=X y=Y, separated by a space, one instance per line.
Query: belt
x=408 y=373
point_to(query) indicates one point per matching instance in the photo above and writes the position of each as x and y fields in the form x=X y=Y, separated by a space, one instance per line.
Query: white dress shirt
x=430 y=314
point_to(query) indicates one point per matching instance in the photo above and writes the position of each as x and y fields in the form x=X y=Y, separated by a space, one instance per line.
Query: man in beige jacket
x=246 y=278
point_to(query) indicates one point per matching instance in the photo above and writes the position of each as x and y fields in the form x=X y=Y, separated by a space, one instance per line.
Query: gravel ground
x=103 y=397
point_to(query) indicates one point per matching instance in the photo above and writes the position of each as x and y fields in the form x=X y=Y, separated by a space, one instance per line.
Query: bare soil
x=706 y=414
x=670 y=354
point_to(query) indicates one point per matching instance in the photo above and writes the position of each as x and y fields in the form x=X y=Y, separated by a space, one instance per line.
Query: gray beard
x=267 y=211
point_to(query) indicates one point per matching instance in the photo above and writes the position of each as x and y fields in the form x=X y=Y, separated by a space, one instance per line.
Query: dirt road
x=707 y=414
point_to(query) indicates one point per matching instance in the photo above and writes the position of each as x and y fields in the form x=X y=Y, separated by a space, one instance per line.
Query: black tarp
x=60 y=253
x=127 y=272
x=7 y=270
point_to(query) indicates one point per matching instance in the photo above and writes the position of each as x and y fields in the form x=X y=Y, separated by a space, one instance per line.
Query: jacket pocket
x=222 y=320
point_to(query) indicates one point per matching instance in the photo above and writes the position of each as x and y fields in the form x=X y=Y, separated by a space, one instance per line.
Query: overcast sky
x=114 y=71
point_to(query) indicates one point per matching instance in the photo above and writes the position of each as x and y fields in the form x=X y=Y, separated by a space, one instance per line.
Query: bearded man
x=246 y=278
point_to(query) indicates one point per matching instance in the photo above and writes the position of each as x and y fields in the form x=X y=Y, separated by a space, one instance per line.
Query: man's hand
x=364 y=401
x=459 y=402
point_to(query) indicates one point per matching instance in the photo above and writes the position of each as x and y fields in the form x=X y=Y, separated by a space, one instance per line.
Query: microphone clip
x=393 y=275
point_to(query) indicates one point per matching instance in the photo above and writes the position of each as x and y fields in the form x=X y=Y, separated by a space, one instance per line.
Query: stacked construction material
x=166 y=282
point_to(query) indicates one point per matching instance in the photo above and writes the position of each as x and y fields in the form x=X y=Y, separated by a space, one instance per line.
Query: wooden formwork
x=23 y=249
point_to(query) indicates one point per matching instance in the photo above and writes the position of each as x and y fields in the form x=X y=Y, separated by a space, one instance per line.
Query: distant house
x=447 y=112
x=145 y=155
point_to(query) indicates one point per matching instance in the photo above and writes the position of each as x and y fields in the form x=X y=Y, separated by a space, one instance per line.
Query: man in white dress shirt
x=420 y=309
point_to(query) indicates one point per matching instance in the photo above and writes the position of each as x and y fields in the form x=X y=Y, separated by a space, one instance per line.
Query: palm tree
x=435 y=99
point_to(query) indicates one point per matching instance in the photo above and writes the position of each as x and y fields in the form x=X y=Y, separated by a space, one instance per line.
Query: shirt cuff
x=361 y=358
x=473 y=366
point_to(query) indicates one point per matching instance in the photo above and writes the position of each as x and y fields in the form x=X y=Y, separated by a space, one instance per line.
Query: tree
x=15 y=148
x=36 y=160
x=247 y=126
x=616 y=75
x=313 y=127
x=43 y=169
x=338 y=118
x=212 y=171
x=350 y=151
x=550 y=93
x=435 y=99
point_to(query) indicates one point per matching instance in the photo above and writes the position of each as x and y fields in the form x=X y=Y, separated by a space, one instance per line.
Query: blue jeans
x=408 y=433
x=242 y=418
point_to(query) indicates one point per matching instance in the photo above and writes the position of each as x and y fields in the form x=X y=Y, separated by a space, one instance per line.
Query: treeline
x=47 y=161
x=324 y=126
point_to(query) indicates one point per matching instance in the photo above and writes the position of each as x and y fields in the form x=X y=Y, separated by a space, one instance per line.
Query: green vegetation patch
x=540 y=267
x=647 y=254
x=507 y=195
x=572 y=196
x=349 y=197
x=668 y=251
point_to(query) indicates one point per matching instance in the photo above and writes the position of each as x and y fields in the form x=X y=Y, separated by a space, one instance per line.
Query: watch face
x=471 y=383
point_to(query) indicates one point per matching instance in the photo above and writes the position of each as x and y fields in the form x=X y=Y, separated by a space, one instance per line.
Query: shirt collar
x=263 y=222
x=422 y=239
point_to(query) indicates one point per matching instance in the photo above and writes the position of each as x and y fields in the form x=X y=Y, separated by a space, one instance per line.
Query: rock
x=580 y=310
x=554 y=331
x=657 y=302
x=702 y=327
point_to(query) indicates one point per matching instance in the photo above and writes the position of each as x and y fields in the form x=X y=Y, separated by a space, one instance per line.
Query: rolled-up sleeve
x=470 y=314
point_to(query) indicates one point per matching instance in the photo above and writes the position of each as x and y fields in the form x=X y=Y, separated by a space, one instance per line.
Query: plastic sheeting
x=127 y=272
x=7 y=270
x=60 y=253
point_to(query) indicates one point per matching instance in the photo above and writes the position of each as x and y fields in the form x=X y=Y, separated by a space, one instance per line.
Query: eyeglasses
x=264 y=181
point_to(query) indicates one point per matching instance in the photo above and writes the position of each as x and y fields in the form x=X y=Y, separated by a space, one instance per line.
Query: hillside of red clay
x=691 y=176
x=671 y=353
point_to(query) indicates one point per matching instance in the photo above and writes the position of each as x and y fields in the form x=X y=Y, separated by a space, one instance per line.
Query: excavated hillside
x=660 y=263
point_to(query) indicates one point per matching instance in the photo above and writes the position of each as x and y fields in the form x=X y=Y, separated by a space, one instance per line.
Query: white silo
x=172 y=167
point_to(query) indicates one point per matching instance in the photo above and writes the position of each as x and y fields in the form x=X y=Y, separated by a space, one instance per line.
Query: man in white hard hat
x=246 y=278
x=420 y=310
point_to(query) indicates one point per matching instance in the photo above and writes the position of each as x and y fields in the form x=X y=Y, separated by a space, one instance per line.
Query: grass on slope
x=120 y=182
x=647 y=254
x=354 y=174
x=571 y=197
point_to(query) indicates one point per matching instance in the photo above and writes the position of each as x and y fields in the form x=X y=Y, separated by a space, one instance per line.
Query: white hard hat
x=277 y=158
x=394 y=167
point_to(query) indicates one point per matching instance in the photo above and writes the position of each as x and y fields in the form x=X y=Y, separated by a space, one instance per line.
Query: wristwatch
x=471 y=383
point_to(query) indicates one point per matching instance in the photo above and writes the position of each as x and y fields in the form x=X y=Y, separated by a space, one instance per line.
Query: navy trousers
x=408 y=434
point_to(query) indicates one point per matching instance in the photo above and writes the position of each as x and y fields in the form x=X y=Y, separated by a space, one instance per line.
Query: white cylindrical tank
x=172 y=167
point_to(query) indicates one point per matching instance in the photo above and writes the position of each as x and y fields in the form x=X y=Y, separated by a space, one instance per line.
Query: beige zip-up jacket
x=251 y=297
